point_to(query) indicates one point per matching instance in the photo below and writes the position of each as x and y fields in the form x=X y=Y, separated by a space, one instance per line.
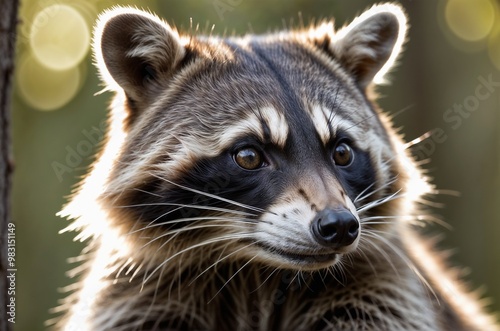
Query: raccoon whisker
x=163 y=215
x=198 y=245
x=152 y=261
x=418 y=140
x=219 y=260
x=392 y=115
x=147 y=192
x=361 y=121
x=293 y=279
x=225 y=210
x=412 y=219
x=341 y=270
x=412 y=267
x=174 y=233
x=369 y=218
x=361 y=197
x=232 y=277
x=239 y=204
x=265 y=280
x=306 y=283
x=300 y=279
x=153 y=300
x=381 y=201
x=190 y=228
x=154 y=224
x=345 y=270
x=378 y=223
x=222 y=251
x=324 y=274
x=173 y=236
x=361 y=252
x=382 y=252
x=190 y=219
x=387 y=219
x=405 y=259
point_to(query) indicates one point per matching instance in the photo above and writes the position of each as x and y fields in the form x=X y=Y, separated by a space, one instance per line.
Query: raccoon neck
x=200 y=293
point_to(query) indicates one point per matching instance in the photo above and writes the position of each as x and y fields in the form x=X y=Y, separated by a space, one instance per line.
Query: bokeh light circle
x=470 y=20
x=59 y=37
x=43 y=88
x=494 y=47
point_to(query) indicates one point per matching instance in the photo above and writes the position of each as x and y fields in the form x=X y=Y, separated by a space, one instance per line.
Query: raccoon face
x=259 y=148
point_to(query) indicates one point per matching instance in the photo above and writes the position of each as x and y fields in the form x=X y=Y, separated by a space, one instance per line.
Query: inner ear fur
x=369 y=46
x=136 y=51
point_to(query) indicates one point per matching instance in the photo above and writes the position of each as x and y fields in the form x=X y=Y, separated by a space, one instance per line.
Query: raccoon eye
x=343 y=154
x=249 y=158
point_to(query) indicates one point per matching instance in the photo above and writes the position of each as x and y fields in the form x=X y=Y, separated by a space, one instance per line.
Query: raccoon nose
x=335 y=228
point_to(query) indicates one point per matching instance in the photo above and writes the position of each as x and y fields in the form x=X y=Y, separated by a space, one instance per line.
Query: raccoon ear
x=136 y=51
x=369 y=46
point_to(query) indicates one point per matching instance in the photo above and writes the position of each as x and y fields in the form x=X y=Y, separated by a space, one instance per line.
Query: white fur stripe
x=195 y=146
x=253 y=124
x=248 y=126
x=277 y=125
x=320 y=120
x=324 y=119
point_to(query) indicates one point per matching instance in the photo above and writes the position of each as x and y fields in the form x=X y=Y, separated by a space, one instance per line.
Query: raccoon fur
x=252 y=183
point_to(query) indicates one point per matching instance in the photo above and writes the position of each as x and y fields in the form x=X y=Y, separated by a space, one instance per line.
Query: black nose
x=335 y=228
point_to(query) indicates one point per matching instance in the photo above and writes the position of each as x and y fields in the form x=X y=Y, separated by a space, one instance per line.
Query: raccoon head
x=257 y=148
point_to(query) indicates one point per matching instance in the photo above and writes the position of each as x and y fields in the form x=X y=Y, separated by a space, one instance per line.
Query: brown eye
x=343 y=155
x=249 y=158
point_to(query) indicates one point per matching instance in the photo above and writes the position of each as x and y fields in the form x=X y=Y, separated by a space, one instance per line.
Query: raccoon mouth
x=301 y=257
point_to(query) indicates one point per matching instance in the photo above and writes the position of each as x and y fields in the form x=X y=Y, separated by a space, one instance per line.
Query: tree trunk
x=8 y=24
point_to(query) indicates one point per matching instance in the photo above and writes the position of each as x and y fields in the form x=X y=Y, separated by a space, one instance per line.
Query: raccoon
x=252 y=183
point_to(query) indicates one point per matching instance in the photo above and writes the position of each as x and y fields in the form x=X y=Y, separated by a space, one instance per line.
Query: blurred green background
x=454 y=45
